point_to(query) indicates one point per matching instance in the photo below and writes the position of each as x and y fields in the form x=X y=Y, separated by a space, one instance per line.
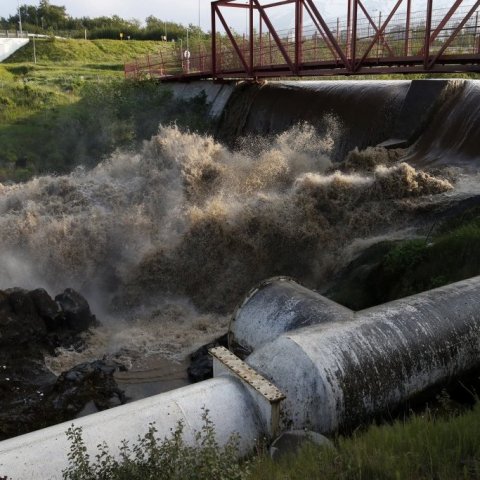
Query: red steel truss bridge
x=415 y=36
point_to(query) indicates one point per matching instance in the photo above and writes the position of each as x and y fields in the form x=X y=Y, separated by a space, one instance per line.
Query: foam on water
x=171 y=237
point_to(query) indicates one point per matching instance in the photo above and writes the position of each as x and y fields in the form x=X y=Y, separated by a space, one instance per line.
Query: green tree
x=52 y=16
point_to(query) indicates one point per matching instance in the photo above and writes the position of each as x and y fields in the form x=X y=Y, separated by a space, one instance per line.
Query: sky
x=182 y=11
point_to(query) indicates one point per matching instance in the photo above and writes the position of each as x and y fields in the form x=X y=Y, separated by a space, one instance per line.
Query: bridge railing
x=13 y=34
x=398 y=39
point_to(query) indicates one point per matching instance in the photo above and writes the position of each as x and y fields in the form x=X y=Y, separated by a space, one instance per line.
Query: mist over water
x=164 y=242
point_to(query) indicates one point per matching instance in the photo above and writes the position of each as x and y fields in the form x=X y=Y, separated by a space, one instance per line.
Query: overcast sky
x=181 y=11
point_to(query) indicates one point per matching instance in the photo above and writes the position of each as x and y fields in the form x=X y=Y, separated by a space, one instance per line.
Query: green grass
x=155 y=458
x=398 y=269
x=87 y=51
x=413 y=266
x=74 y=106
x=421 y=448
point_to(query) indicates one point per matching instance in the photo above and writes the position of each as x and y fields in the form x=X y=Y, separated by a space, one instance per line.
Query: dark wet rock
x=201 y=362
x=292 y=441
x=87 y=382
x=356 y=286
x=19 y=321
x=48 y=309
x=52 y=400
x=31 y=397
x=76 y=310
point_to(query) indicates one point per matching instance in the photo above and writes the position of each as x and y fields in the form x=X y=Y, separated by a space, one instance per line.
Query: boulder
x=47 y=309
x=19 y=321
x=292 y=441
x=55 y=400
x=201 y=362
x=84 y=383
x=76 y=311
x=31 y=397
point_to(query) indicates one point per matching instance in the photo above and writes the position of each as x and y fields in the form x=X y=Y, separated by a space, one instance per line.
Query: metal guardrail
x=13 y=34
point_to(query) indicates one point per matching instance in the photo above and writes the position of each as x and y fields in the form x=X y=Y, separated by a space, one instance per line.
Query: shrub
x=152 y=458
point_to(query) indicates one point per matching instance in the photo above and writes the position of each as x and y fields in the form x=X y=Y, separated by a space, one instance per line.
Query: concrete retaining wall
x=9 y=46
x=217 y=94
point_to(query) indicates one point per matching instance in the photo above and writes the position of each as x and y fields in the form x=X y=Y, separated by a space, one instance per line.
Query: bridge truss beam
x=414 y=36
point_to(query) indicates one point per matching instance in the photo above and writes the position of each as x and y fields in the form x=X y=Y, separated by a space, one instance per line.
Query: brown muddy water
x=165 y=241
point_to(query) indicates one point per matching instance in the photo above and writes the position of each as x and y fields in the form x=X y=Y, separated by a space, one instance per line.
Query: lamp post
x=20 y=18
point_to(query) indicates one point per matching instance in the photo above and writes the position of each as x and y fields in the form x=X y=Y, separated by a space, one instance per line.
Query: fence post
x=214 y=42
x=162 y=64
x=261 y=41
x=477 y=36
x=379 y=27
x=354 y=33
x=270 y=47
x=251 y=39
x=428 y=31
x=407 y=28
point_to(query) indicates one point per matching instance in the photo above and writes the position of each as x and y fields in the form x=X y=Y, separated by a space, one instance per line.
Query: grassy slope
x=424 y=447
x=84 y=51
x=392 y=270
x=421 y=448
x=73 y=106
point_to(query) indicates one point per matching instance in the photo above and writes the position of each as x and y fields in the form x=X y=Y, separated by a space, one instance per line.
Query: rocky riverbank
x=33 y=324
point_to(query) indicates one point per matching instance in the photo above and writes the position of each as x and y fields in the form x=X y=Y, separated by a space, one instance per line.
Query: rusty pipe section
x=279 y=305
x=336 y=374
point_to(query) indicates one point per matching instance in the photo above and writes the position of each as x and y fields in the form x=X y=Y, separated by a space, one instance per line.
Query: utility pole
x=34 y=51
x=199 y=28
x=20 y=18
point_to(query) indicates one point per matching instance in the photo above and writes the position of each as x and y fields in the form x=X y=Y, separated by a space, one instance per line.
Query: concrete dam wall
x=438 y=120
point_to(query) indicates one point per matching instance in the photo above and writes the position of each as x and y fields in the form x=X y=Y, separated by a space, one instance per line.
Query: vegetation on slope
x=88 y=51
x=392 y=270
x=423 y=447
x=73 y=107
x=420 y=448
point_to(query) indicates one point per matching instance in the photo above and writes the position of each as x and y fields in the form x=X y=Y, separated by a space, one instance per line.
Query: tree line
x=50 y=19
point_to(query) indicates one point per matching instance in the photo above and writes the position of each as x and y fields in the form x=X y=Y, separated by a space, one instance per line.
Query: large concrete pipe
x=333 y=374
x=336 y=374
x=279 y=305
x=233 y=405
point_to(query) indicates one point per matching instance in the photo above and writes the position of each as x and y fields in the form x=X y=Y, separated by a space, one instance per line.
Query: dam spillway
x=436 y=123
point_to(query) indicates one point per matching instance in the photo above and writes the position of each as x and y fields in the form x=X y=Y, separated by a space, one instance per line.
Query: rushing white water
x=164 y=242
